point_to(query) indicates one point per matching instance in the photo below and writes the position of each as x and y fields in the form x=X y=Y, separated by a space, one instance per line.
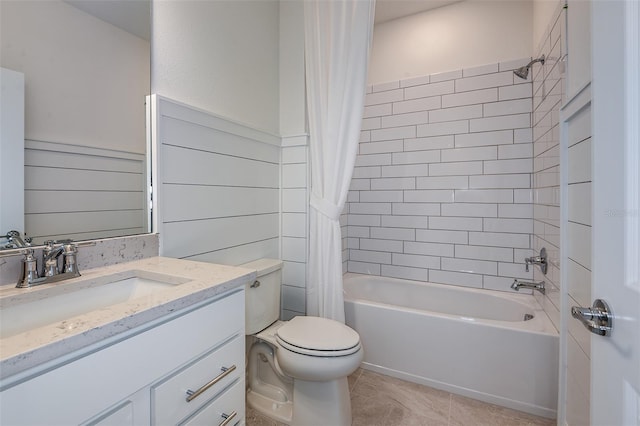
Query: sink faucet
x=517 y=285
x=29 y=276
x=13 y=239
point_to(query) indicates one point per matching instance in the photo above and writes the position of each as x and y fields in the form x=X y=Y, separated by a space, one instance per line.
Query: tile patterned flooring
x=378 y=400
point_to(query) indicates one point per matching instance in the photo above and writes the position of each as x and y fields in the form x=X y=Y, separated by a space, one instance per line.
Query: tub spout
x=517 y=285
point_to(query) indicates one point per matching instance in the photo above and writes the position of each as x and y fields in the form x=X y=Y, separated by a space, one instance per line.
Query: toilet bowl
x=297 y=369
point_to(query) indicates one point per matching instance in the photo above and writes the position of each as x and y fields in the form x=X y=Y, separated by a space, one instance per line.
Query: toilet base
x=276 y=410
x=321 y=403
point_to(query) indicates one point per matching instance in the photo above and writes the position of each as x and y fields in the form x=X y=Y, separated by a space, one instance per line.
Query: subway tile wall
x=442 y=188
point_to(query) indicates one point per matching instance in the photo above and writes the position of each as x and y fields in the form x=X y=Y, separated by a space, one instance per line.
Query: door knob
x=598 y=319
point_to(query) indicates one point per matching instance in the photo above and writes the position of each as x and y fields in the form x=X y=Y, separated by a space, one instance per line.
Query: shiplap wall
x=216 y=185
x=83 y=193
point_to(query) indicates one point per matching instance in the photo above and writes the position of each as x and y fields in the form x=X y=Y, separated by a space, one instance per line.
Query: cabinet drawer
x=203 y=378
x=222 y=409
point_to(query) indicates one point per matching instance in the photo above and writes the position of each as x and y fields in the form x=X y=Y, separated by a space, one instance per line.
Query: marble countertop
x=44 y=345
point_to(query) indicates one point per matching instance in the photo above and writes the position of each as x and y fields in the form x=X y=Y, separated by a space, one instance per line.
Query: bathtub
x=470 y=342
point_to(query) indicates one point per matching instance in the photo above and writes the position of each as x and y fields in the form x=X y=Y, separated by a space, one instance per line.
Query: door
x=615 y=359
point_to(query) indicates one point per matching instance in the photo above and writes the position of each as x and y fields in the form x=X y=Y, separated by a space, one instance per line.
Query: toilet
x=297 y=369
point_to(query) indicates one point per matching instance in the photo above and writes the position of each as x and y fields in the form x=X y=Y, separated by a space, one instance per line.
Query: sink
x=62 y=301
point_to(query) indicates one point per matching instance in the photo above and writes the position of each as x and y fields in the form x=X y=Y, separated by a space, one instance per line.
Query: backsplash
x=105 y=252
x=441 y=191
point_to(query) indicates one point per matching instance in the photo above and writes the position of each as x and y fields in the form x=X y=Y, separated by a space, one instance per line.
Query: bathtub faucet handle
x=537 y=260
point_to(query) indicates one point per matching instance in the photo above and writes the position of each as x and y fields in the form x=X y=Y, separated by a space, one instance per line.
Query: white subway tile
x=522 y=165
x=293 y=298
x=369 y=208
x=393 y=183
x=484 y=81
x=358 y=231
x=381 y=245
x=405 y=170
x=444 y=182
x=414 y=81
x=521 y=150
x=523 y=196
x=490 y=282
x=431 y=249
x=418 y=209
x=499 y=239
x=429 y=196
x=416 y=261
x=377 y=110
x=516 y=226
x=484 y=138
x=353 y=243
x=365 y=136
x=380 y=147
x=469 y=154
x=371 y=123
x=404 y=272
x=579 y=203
x=474 y=97
x=286 y=315
x=404 y=222
x=456 y=113
x=470 y=266
x=294 y=200
x=500 y=181
x=579 y=243
x=484 y=196
x=369 y=256
x=403 y=234
x=517 y=91
x=294 y=175
x=516 y=106
x=436 y=142
x=456 y=169
x=470 y=210
x=414 y=157
x=407 y=119
x=360 y=185
x=514 y=270
x=437 y=236
x=523 y=136
x=456 y=223
x=498 y=254
x=455 y=278
x=363 y=268
x=503 y=122
x=427 y=90
x=294 y=224
x=294 y=249
x=373 y=159
x=420 y=104
x=380 y=196
x=393 y=133
x=519 y=211
x=294 y=274
x=444 y=76
x=384 y=97
x=480 y=70
x=579 y=169
x=364 y=220
x=294 y=154
x=382 y=87
x=366 y=172
x=445 y=128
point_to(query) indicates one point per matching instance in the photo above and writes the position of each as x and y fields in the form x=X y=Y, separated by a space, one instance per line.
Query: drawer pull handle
x=191 y=395
x=227 y=418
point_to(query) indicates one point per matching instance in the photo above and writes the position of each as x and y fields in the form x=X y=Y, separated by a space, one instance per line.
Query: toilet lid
x=318 y=335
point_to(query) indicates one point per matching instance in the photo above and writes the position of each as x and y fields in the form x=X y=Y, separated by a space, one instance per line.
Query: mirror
x=86 y=68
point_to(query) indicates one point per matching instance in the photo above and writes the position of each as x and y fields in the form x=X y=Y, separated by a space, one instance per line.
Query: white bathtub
x=471 y=342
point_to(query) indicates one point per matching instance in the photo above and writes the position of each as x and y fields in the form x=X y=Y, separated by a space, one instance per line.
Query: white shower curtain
x=338 y=36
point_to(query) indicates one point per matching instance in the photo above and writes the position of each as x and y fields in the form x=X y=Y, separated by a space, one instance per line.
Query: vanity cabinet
x=146 y=376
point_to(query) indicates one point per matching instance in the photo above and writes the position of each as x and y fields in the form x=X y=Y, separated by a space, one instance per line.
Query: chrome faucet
x=537 y=260
x=13 y=239
x=517 y=285
x=29 y=276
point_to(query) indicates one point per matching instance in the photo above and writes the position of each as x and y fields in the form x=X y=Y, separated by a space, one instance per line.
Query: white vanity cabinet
x=145 y=376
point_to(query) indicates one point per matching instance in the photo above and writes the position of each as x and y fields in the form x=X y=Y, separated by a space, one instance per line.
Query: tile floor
x=378 y=400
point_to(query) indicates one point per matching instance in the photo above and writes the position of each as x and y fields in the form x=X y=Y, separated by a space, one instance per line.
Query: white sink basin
x=62 y=301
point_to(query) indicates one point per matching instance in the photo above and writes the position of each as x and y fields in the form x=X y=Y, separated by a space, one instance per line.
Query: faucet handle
x=70 y=259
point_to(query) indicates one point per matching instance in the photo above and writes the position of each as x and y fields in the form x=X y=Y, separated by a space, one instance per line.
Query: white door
x=615 y=359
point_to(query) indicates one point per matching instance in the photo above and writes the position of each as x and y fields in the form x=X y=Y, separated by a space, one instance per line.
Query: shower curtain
x=337 y=42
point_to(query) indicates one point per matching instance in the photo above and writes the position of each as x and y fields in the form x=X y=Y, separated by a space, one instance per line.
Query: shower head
x=523 y=72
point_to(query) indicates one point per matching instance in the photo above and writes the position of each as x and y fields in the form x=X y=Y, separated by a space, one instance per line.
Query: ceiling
x=133 y=16
x=386 y=10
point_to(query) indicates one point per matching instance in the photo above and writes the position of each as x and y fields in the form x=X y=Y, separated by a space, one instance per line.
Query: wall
x=461 y=35
x=441 y=191
x=220 y=56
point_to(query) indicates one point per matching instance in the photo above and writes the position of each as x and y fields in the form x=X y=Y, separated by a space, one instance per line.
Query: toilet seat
x=315 y=336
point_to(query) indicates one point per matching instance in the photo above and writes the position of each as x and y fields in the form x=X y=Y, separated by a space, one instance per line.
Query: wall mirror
x=86 y=68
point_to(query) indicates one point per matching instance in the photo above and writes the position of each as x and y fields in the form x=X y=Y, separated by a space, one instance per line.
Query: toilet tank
x=262 y=297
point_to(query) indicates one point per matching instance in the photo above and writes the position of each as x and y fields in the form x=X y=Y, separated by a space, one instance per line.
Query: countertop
x=46 y=345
